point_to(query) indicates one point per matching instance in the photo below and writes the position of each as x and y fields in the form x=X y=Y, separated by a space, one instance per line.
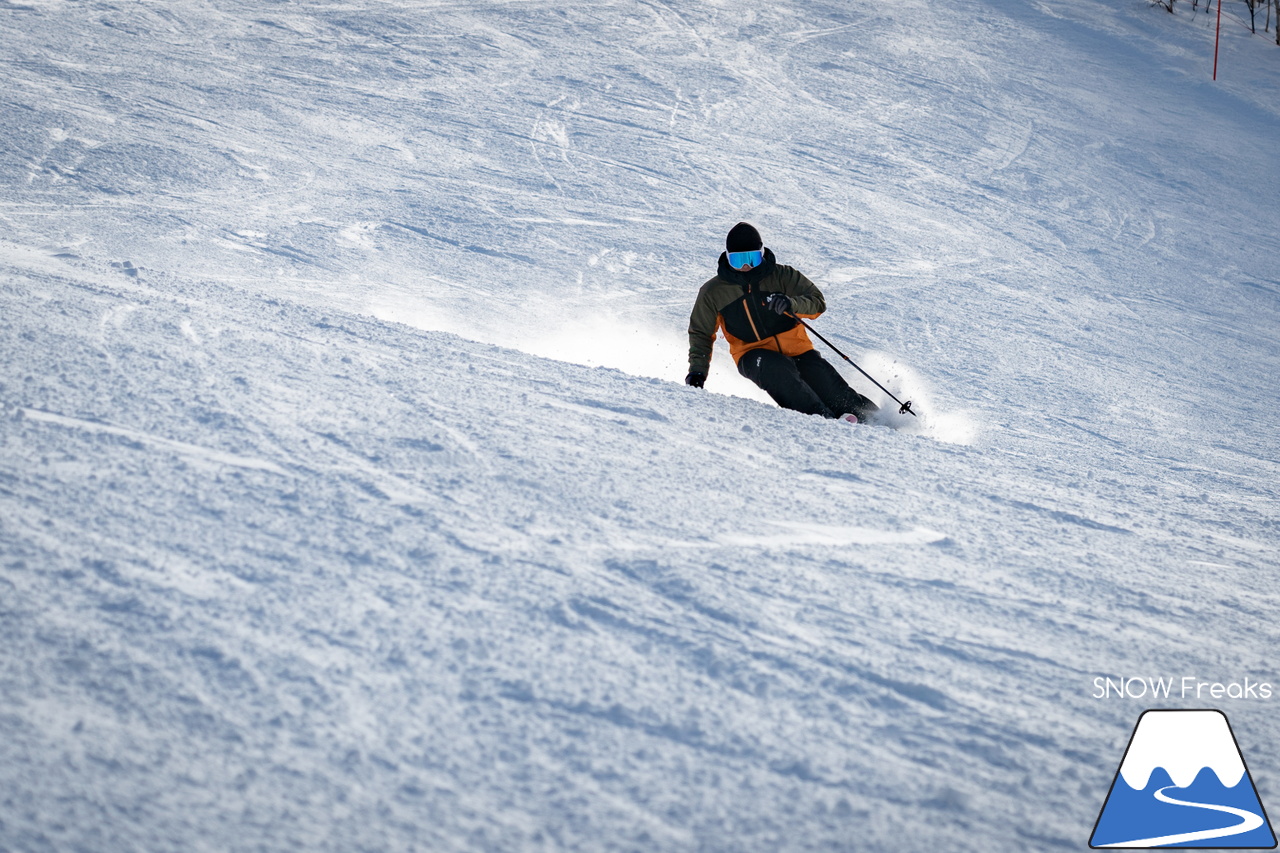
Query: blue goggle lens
x=737 y=260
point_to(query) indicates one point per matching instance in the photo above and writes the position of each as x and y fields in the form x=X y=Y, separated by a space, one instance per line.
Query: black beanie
x=743 y=238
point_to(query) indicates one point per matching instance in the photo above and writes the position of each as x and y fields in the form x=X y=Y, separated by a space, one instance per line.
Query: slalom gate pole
x=906 y=407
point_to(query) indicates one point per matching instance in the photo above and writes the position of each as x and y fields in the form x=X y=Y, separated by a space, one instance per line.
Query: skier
x=752 y=299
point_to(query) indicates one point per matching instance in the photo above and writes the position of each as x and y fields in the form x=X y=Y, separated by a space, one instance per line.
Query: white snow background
x=351 y=499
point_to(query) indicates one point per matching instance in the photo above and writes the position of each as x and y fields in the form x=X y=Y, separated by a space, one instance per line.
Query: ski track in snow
x=350 y=499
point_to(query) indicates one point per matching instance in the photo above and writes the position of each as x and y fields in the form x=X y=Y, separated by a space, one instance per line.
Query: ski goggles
x=738 y=260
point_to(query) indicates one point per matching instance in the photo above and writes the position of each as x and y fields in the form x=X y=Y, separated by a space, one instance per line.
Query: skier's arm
x=703 y=322
x=806 y=299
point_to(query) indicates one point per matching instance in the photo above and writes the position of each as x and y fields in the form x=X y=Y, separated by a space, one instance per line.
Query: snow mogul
x=757 y=302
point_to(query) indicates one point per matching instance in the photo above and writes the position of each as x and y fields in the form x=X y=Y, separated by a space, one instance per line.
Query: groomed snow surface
x=351 y=500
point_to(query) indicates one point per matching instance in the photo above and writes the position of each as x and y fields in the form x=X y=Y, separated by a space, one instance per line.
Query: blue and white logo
x=1183 y=783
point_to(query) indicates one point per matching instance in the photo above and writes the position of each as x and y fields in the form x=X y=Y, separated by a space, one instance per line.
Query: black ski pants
x=806 y=383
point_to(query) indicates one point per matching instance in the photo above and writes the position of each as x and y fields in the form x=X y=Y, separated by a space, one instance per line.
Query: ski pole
x=906 y=407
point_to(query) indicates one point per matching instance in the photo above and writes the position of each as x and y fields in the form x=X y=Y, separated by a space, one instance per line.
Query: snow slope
x=350 y=499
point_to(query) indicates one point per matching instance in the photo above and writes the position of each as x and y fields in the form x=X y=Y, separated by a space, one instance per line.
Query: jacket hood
x=751 y=276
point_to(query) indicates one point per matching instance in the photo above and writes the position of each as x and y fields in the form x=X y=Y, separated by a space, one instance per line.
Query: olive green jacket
x=734 y=303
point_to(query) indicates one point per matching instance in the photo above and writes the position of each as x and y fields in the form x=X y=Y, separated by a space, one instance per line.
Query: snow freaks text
x=1186 y=687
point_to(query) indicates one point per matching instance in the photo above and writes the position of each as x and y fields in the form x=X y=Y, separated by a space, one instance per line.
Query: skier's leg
x=820 y=375
x=778 y=376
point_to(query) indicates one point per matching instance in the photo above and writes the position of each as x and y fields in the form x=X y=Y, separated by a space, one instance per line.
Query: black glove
x=779 y=302
x=695 y=378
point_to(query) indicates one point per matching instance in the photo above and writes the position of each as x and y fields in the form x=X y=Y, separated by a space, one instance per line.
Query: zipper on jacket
x=746 y=307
